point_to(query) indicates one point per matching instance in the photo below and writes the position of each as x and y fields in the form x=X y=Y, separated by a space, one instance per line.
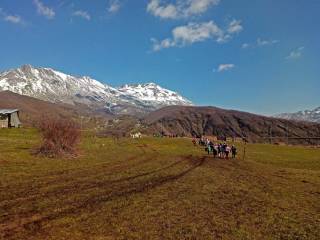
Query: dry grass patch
x=157 y=189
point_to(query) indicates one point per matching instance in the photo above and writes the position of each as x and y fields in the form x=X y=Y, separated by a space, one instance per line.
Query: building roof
x=8 y=111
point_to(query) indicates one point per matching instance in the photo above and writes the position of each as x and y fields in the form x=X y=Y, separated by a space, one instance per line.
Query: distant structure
x=9 y=118
x=136 y=135
x=211 y=138
x=234 y=139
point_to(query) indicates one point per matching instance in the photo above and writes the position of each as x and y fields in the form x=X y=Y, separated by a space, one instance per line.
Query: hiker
x=234 y=151
x=227 y=151
x=223 y=150
x=219 y=150
x=209 y=148
x=215 y=151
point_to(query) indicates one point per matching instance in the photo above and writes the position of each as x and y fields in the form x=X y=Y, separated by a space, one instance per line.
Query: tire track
x=126 y=188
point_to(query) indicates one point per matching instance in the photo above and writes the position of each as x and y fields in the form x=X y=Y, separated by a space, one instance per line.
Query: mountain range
x=44 y=91
x=307 y=115
x=171 y=120
x=197 y=121
x=50 y=85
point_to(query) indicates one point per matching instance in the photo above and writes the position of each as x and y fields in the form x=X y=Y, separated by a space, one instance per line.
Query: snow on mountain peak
x=306 y=115
x=153 y=93
x=54 y=86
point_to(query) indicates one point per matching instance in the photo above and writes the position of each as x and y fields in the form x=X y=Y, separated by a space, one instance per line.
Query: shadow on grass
x=116 y=189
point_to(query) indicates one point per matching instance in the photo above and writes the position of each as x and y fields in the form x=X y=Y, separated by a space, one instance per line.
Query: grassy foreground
x=157 y=189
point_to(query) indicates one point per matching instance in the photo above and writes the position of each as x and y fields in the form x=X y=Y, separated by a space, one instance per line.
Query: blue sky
x=253 y=55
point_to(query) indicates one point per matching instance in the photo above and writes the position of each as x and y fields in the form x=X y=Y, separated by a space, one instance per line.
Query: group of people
x=220 y=150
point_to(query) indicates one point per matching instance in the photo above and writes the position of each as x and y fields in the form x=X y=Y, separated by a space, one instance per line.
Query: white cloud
x=245 y=45
x=225 y=67
x=195 y=7
x=44 y=10
x=158 y=45
x=168 y=11
x=295 y=54
x=189 y=34
x=82 y=14
x=13 y=19
x=16 y=19
x=235 y=26
x=261 y=42
x=192 y=33
x=114 y=6
x=181 y=8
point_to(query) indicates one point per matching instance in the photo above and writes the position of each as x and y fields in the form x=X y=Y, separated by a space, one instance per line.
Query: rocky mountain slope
x=153 y=94
x=307 y=115
x=197 y=121
x=54 y=86
x=32 y=110
x=181 y=120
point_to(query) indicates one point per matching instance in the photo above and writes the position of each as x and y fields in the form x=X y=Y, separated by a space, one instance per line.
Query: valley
x=159 y=120
x=156 y=188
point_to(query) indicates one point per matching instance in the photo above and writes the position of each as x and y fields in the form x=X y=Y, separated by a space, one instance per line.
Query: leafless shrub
x=59 y=137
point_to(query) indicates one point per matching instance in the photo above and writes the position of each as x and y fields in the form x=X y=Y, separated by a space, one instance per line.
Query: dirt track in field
x=147 y=190
x=97 y=190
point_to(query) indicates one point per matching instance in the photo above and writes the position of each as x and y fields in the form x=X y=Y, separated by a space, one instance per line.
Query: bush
x=59 y=137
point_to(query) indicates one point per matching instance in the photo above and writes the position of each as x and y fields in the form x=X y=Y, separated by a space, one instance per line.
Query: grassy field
x=157 y=189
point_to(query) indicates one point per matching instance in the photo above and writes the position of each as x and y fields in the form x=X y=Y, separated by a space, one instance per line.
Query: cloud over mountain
x=197 y=32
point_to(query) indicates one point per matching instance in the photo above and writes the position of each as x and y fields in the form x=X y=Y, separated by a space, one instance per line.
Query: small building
x=234 y=139
x=9 y=118
x=136 y=135
x=211 y=138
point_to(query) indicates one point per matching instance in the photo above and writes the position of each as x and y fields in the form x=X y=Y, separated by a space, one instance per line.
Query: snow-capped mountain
x=54 y=86
x=153 y=94
x=307 y=115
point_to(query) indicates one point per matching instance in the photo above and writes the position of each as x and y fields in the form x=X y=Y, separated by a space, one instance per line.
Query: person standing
x=227 y=151
x=220 y=150
x=215 y=150
x=223 y=150
x=234 y=151
x=209 y=148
